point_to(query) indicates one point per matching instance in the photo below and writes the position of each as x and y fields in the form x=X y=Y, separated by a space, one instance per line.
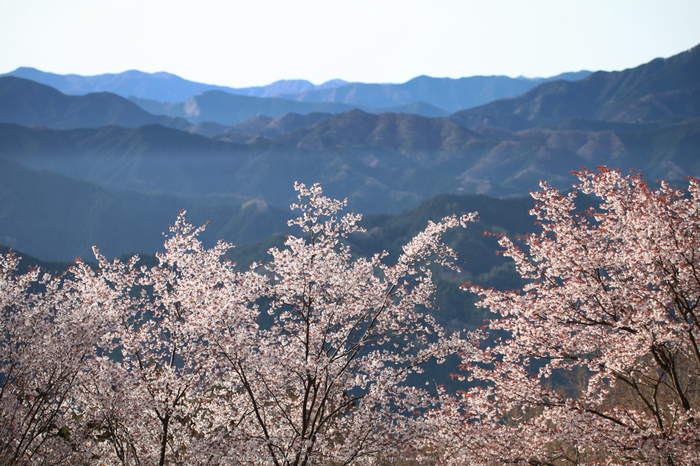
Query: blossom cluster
x=307 y=358
x=598 y=361
x=302 y=360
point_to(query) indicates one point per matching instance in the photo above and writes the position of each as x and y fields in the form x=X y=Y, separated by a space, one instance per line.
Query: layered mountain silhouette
x=155 y=159
x=26 y=102
x=445 y=93
x=229 y=109
x=384 y=163
x=123 y=157
x=658 y=90
x=165 y=87
x=422 y=95
x=58 y=218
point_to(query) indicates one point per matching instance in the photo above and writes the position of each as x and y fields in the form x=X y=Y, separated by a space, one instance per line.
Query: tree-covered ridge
x=382 y=163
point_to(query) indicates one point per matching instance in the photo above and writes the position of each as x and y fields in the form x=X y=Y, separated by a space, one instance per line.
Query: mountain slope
x=403 y=133
x=29 y=103
x=57 y=218
x=270 y=127
x=660 y=89
x=154 y=159
x=150 y=158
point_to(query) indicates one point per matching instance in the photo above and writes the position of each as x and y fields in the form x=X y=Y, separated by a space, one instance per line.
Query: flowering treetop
x=612 y=298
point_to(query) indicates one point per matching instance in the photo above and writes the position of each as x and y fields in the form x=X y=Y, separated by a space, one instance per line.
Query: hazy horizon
x=278 y=80
x=257 y=43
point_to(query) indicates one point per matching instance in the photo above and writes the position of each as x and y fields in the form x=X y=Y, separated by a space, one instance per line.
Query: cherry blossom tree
x=138 y=396
x=611 y=302
x=146 y=396
x=51 y=330
x=303 y=360
x=325 y=382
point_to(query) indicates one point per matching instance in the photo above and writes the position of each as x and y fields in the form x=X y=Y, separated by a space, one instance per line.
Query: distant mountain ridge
x=26 y=102
x=404 y=133
x=229 y=109
x=162 y=86
x=658 y=90
x=270 y=127
x=446 y=94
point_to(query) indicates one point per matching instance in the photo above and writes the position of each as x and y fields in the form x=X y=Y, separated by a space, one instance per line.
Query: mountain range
x=423 y=95
x=122 y=158
x=383 y=163
x=662 y=89
x=162 y=86
x=444 y=93
x=29 y=103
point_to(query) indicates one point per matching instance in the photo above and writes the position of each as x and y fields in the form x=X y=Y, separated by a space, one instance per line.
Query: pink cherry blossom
x=611 y=303
x=301 y=361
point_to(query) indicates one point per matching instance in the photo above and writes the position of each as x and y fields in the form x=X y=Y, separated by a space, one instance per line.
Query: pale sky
x=255 y=42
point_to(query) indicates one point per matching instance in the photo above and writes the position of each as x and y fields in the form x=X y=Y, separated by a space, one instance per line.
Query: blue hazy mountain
x=27 y=102
x=383 y=163
x=55 y=217
x=446 y=94
x=659 y=90
x=162 y=86
x=229 y=109
x=388 y=162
